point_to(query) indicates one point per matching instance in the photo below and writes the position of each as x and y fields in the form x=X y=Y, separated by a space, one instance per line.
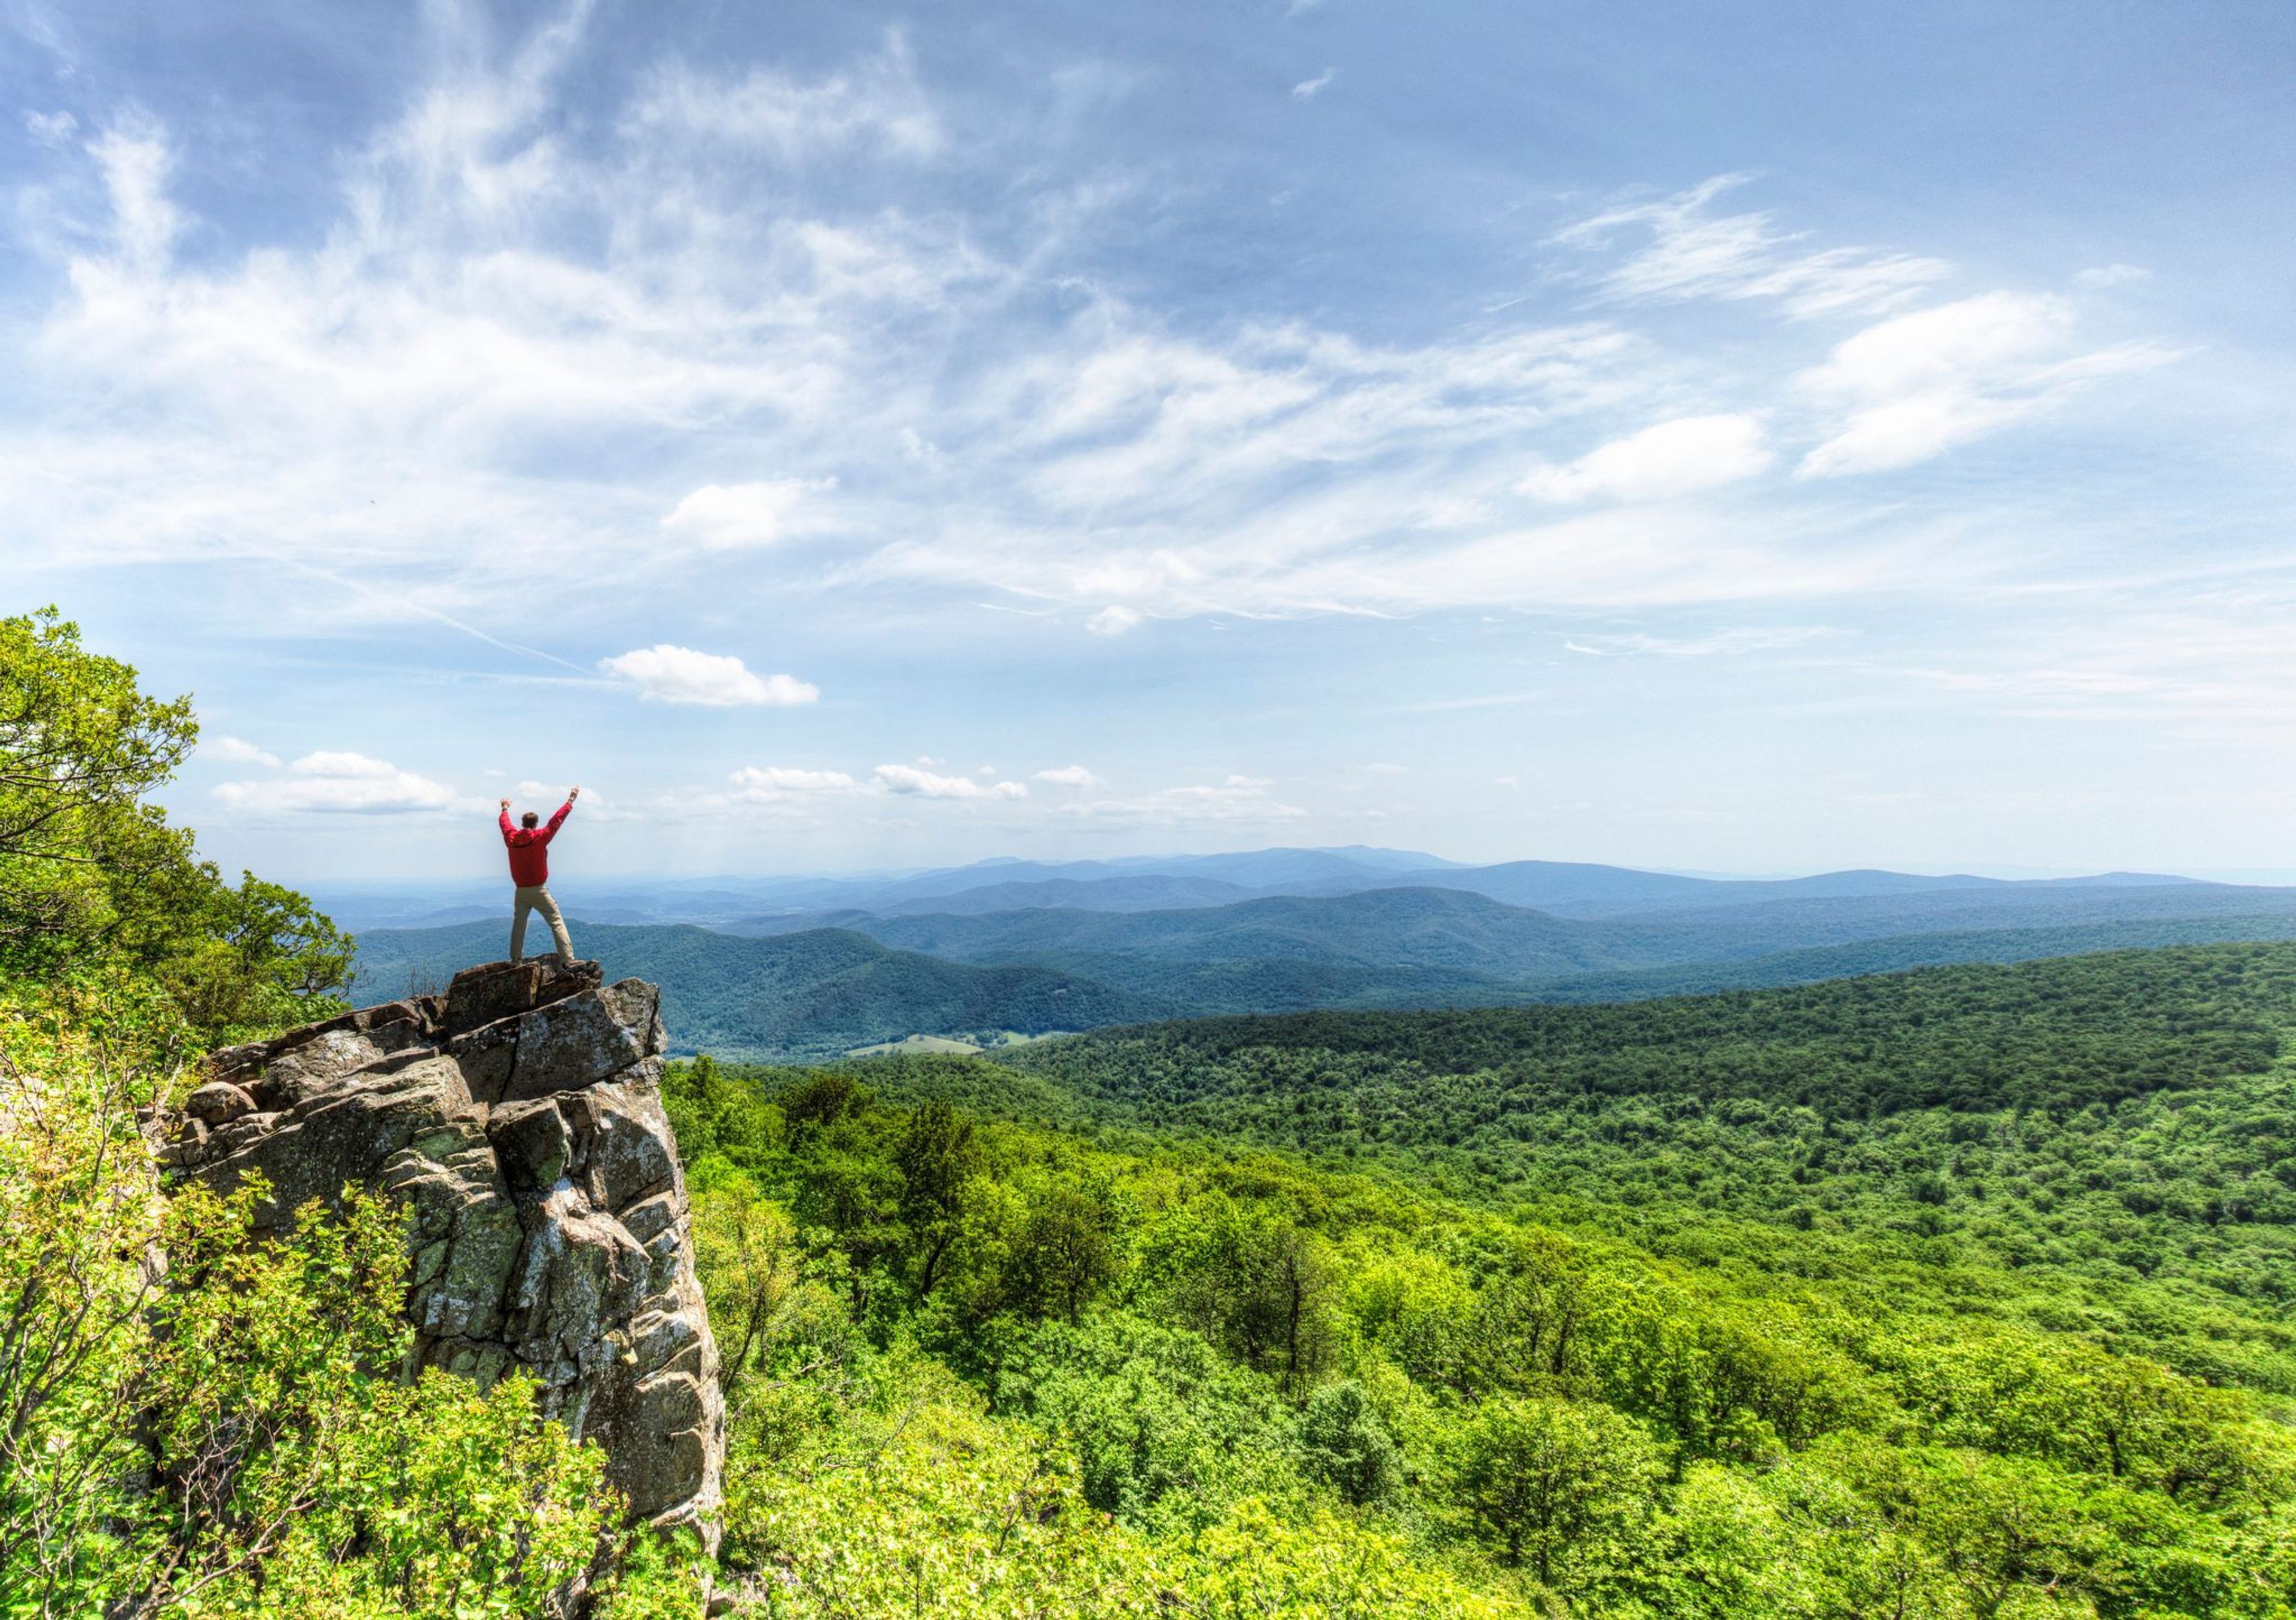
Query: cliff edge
x=518 y=1117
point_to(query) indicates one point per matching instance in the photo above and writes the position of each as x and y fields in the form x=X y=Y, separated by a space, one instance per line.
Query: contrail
x=278 y=560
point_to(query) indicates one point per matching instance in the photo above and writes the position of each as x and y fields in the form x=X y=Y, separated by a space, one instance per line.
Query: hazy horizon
x=480 y=875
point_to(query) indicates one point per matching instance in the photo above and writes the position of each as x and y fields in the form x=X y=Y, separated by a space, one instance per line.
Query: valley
x=814 y=983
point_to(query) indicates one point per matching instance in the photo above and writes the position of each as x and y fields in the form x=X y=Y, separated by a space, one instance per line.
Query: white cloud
x=1069 y=776
x=133 y=157
x=679 y=675
x=1944 y=346
x=876 y=106
x=1910 y=388
x=783 y=785
x=1307 y=89
x=1238 y=799
x=909 y=780
x=1670 y=458
x=1381 y=768
x=238 y=753
x=762 y=269
x=50 y=129
x=723 y=516
x=1688 y=251
x=341 y=783
x=1726 y=641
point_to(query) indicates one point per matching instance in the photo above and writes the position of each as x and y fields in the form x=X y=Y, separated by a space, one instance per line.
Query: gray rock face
x=518 y=1117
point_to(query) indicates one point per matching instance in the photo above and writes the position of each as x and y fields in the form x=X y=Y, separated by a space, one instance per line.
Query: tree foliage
x=93 y=881
x=1279 y=1366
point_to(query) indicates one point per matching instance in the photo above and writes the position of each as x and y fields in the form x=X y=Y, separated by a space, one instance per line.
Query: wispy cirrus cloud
x=1102 y=459
x=876 y=106
x=1239 y=800
x=857 y=338
x=1684 y=249
x=1913 y=386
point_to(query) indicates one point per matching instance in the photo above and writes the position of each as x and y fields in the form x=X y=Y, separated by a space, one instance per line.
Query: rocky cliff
x=518 y=1117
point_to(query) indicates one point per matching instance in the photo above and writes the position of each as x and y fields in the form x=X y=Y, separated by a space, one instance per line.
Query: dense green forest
x=2103 y=1142
x=1277 y=1375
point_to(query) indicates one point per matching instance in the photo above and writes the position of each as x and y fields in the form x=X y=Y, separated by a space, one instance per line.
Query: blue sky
x=1745 y=437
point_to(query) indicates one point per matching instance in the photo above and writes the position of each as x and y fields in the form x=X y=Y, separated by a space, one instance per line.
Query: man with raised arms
x=529 y=870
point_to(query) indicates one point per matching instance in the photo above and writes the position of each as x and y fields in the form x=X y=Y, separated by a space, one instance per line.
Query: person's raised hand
x=573 y=794
x=505 y=804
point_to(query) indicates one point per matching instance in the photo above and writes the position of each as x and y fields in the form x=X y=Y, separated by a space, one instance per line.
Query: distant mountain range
x=783 y=905
x=1032 y=948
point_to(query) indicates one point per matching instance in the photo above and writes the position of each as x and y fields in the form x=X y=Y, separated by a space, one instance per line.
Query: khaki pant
x=538 y=899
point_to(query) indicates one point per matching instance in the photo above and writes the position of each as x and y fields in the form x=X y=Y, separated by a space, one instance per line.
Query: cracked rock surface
x=518 y=1117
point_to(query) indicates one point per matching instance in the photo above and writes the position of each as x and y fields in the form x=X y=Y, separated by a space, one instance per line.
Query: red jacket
x=529 y=848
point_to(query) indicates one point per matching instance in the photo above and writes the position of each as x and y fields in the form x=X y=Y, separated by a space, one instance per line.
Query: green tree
x=79 y=748
x=1345 y=1444
x=1061 y=1257
x=1554 y=1483
x=747 y=1247
x=93 y=878
x=937 y=1158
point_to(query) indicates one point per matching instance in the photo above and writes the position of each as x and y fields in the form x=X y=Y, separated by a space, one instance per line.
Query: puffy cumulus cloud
x=1069 y=776
x=720 y=517
x=668 y=674
x=911 y=782
x=1113 y=620
x=1910 y=388
x=1238 y=799
x=238 y=751
x=341 y=783
x=1668 y=459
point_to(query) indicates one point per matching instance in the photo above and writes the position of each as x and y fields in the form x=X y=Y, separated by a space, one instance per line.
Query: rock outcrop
x=518 y=1117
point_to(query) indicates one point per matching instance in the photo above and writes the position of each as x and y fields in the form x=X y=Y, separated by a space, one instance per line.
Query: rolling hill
x=808 y=990
x=799 y=995
x=1462 y=930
